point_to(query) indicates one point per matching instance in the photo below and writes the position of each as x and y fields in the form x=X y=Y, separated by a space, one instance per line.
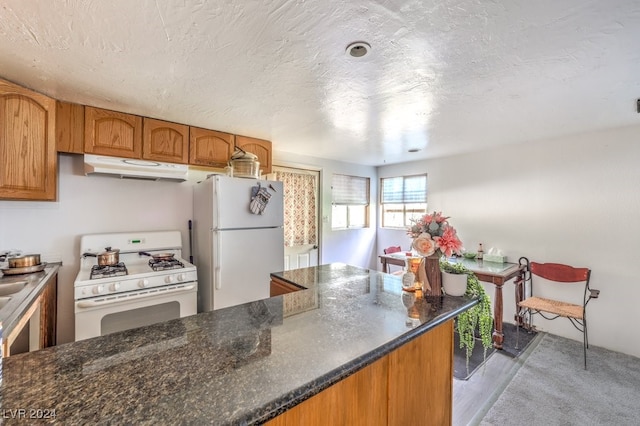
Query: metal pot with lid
x=245 y=164
x=108 y=257
x=24 y=261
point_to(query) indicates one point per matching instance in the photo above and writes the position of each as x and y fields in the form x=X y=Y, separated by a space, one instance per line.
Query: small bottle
x=480 y=252
x=408 y=278
x=407 y=281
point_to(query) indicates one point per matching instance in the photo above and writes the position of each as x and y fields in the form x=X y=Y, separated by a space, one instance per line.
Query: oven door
x=103 y=315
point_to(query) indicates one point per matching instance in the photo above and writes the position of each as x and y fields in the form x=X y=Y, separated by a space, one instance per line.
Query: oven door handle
x=94 y=303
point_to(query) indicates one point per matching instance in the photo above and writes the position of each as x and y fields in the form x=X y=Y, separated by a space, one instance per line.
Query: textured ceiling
x=444 y=76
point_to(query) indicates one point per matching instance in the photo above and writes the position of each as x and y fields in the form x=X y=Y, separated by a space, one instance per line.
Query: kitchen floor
x=472 y=398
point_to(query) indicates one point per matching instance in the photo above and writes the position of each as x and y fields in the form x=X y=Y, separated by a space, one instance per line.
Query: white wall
x=571 y=200
x=352 y=246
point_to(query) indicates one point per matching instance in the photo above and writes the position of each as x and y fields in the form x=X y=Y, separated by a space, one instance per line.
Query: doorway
x=301 y=212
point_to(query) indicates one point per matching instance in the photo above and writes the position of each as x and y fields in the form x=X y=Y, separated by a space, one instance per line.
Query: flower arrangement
x=432 y=234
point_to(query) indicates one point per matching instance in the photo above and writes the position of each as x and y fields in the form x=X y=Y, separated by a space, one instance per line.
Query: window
x=403 y=198
x=350 y=202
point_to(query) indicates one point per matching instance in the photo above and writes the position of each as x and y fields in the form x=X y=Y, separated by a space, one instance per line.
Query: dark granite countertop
x=239 y=365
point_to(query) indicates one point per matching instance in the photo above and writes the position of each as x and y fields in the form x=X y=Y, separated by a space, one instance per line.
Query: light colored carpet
x=552 y=388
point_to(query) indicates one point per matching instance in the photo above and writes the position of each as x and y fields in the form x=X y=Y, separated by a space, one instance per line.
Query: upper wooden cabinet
x=85 y=129
x=112 y=133
x=27 y=144
x=165 y=141
x=70 y=127
x=259 y=147
x=210 y=148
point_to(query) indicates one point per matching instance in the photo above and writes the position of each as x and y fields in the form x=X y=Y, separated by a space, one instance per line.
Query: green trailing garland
x=478 y=317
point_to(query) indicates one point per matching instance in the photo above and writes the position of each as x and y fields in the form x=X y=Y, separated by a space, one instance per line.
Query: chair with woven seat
x=389 y=250
x=550 y=309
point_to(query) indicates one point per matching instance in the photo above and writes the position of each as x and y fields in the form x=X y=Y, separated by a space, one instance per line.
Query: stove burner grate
x=161 y=265
x=105 y=271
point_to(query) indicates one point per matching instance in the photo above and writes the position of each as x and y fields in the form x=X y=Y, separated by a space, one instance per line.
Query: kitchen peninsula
x=251 y=363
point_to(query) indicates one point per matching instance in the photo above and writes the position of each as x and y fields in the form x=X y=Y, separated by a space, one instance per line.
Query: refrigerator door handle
x=216 y=261
x=216 y=216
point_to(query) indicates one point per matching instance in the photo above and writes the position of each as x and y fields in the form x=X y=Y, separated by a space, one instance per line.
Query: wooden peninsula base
x=413 y=385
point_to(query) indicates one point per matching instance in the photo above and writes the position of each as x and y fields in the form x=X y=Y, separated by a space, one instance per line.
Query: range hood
x=131 y=168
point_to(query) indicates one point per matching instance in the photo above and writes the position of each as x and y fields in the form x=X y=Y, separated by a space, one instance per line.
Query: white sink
x=11 y=288
x=3 y=301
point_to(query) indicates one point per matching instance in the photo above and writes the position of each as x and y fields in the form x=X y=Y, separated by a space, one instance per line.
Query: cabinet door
x=358 y=400
x=70 y=127
x=165 y=141
x=421 y=379
x=27 y=144
x=210 y=148
x=259 y=147
x=112 y=133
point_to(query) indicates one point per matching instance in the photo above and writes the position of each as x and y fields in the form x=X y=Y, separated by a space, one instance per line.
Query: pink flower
x=434 y=217
x=449 y=242
x=433 y=234
x=424 y=245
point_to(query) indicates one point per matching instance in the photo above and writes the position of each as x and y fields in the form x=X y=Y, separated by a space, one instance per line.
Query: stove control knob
x=115 y=287
x=143 y=283
x=169 y=279
x=98 y=289
x=182 y=277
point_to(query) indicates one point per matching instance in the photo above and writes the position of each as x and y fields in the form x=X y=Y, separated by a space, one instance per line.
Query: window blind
x=404 y=190
x=349 y=190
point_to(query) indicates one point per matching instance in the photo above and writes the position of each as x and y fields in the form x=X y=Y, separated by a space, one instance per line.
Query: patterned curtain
x=299 y=208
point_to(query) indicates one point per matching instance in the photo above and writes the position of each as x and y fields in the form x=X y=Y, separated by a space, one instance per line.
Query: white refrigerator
x=236 y=248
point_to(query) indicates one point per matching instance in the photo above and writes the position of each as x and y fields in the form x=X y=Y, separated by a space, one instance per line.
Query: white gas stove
x=150 y=282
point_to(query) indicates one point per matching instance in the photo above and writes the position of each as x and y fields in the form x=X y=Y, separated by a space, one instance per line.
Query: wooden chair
x=389 y=250
x=550 y=309
x=392 y=249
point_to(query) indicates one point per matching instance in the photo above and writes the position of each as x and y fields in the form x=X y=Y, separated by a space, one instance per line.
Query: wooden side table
x=490 y=272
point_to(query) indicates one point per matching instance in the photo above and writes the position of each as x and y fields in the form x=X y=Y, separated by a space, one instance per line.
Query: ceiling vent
x=358 y=49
